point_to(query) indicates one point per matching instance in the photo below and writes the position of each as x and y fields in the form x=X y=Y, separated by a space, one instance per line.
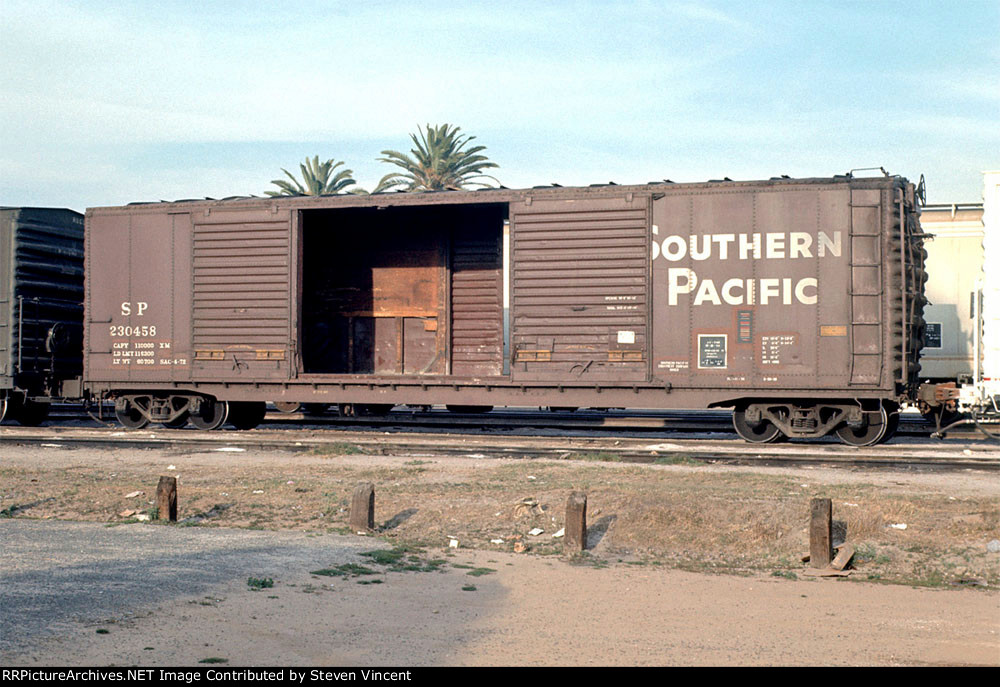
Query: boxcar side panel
x=750 y=288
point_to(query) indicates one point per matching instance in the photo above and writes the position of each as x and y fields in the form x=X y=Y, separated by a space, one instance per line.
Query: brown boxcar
x=796 y=302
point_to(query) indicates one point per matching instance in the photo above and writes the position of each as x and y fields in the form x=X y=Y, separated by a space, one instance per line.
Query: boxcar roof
x=489 y=195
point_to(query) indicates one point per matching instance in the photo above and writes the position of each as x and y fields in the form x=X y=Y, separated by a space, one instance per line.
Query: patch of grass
x=258 y=583
x=214 y=659
x=102 y=631
x=376 y=581
x=469 y=588
x=598 y=456
x=386 y=556
x=345 y=570
x=479 y=572
x=787 y=574
x=393 y=559
x=676 y=459
x=338 y=448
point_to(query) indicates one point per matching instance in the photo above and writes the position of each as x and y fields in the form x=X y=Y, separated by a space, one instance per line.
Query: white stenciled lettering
x=724 y=240
x=800 y=291
x=727 y=291
x=755 y=246
x=707 y=292
x=826 y=242
x=749 y=243
x=675 y=274
x=768 y=288
x=674 y=248
x=800 y=243
x=706 y=247
x=736 y=291
x=775 y=246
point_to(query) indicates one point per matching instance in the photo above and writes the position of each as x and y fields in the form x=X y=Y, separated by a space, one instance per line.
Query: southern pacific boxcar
x=797 y=302
x=41 y=310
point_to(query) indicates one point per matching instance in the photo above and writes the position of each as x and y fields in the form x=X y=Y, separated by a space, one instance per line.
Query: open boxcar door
x=580 y=285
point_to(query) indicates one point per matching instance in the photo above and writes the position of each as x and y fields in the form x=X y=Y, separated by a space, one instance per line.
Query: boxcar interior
x=403 y=290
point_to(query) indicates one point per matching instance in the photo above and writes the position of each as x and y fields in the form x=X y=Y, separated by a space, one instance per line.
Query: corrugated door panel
x=579 y=290
x=866 y=286
x=476 y=304
x=241 y=297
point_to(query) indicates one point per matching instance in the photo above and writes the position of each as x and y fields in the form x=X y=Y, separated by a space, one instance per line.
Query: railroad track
x=708 y=446
x=524 y=421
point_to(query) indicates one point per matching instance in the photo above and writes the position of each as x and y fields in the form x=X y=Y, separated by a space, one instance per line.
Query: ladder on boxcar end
x=866 y=288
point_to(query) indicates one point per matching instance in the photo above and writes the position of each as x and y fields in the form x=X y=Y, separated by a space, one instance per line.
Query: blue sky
x=103 y=103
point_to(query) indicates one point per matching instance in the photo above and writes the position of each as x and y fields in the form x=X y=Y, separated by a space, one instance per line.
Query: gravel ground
x=84 y=594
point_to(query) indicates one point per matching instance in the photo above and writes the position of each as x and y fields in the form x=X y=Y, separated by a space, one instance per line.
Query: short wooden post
x=576 y=522
x=821 y=533
x=166 y=498
x=363 y=507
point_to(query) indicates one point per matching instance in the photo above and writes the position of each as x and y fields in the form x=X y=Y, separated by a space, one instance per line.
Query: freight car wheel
x=762 y=432
x=287 y=406
x=178 y=423
x=3 y=408
x=130 y=416
x=211 y=415
x=246 y=414
x=872 y=430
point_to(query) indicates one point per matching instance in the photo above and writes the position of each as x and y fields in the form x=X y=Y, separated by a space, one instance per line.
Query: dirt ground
x=648 y=591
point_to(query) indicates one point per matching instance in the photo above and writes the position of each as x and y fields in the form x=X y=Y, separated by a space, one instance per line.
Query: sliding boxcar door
x=580 y=276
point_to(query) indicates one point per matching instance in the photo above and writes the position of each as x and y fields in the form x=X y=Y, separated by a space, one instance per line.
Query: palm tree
x=316 y=179
x=440 y=162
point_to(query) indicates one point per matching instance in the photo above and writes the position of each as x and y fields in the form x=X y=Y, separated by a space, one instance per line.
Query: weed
x=787 y=574
x=393 y=559
x=598 y=456
x=376 y=581
x=258 y=583
x=338 y=448
x=214 y=659
x=385 y=556
x=469 y=588
x=102 y=631
x=479 y=572
x=676 y=459
x=345 y=570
